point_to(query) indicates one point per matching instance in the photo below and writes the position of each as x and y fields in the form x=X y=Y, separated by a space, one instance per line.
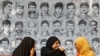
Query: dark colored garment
x=51 y=41
x=24 y=48
x=49 y=51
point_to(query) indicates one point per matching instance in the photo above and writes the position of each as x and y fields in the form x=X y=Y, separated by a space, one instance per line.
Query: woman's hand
x=32 y=52
x=62 y=48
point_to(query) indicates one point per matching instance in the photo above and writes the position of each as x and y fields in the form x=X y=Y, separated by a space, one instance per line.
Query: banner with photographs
x=40 y=19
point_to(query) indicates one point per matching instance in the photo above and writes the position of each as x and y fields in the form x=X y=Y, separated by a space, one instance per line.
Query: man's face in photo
x=32 y=27
x=57 y=26
x=82 y=27
x=45 y=27
x=32 y=8
x=19 y=28
x=69 y=45
x=8 y=8
x=71 y=9
x=93 y=25
x=84 y=9
x=95 y=9
x=6 y=27
x=19 y=10
x=58 y=10
x=5 y=44
x=70 y=26
x=44 y=9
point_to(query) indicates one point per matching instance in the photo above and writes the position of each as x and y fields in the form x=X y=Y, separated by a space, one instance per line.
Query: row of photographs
x=7 y=47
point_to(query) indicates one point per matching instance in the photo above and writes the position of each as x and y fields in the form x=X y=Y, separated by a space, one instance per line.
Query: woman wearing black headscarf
x=52 y=48
x=26 y=48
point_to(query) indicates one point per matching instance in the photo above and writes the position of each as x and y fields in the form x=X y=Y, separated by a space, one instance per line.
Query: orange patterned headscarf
x=83 y=47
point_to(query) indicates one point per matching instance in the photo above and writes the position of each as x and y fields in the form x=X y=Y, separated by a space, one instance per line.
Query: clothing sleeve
x=53 y=52
x=63 y=53
x=43 y=53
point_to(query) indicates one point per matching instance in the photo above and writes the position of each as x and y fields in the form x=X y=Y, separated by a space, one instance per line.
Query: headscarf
x=51 y=41
x=83 y=47
x=24 y=48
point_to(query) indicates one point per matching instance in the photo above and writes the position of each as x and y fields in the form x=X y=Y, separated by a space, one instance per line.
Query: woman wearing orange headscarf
x=83 y=47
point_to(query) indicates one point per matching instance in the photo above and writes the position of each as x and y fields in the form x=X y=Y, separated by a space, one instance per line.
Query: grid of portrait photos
x=40 y=19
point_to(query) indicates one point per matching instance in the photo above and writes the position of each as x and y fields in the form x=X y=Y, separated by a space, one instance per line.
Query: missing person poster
x=40 y=19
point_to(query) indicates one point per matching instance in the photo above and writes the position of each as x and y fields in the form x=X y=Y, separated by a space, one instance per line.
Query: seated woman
x=83 y=47
x=26 y=48
x=52 y=48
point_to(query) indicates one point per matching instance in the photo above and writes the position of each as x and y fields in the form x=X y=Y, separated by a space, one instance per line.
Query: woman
x=52 y=48
x=26 y=48
x=83 y=47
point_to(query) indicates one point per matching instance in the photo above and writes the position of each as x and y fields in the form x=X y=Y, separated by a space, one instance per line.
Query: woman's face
x=32 y=52
x=56 y=45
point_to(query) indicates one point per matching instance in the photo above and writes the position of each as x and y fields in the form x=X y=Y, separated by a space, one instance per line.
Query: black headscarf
x=24 y=48
x=51 y=41
x=49 y=51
